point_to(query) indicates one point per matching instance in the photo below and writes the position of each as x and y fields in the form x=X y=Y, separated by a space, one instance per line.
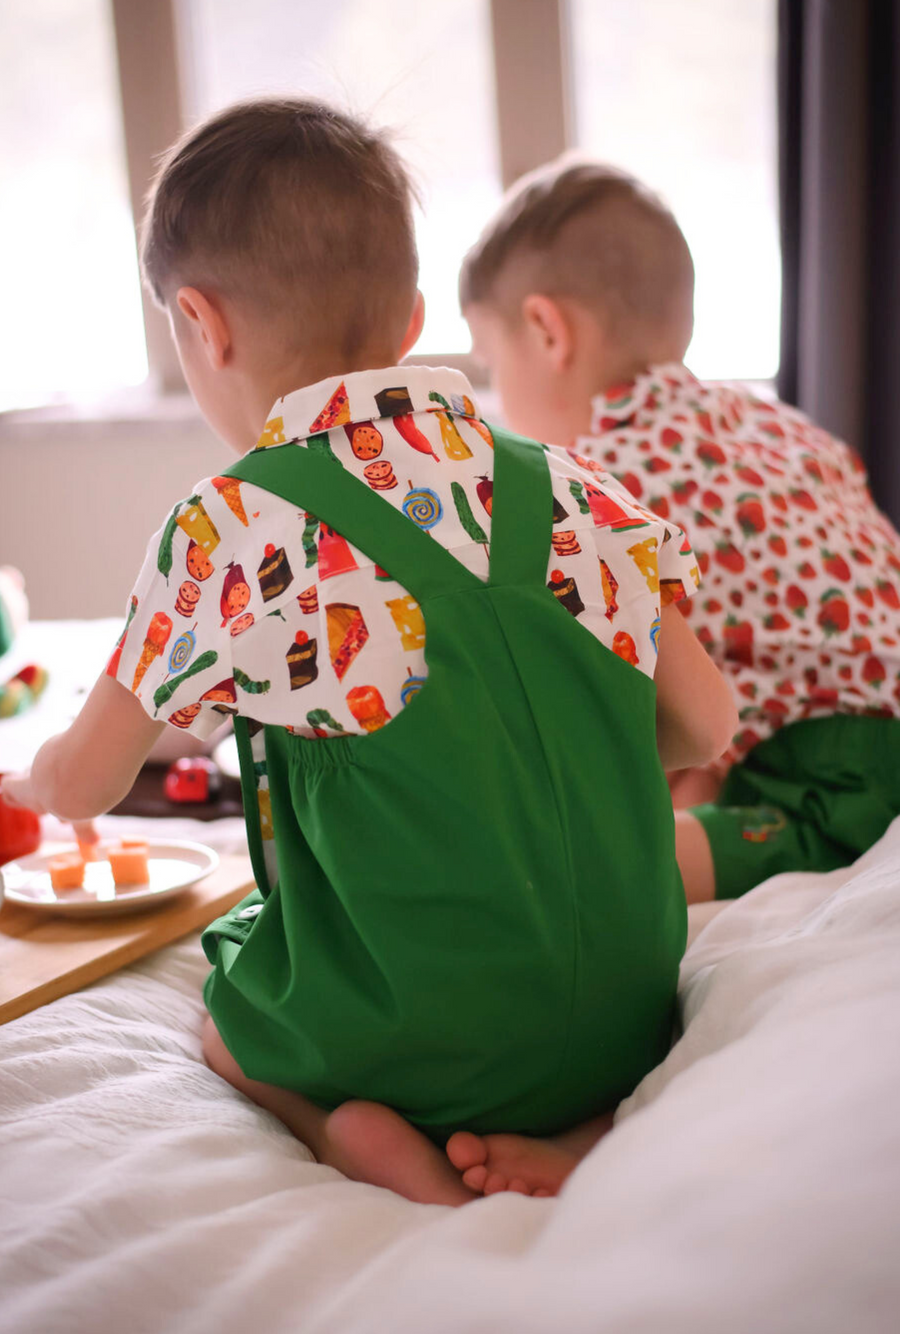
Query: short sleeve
x=174 y=653
x=679 y=570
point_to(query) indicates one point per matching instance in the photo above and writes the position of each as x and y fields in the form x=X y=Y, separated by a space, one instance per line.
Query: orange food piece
x=90 y=852
x=66 y=871
x=133 y=843
x=128 y=862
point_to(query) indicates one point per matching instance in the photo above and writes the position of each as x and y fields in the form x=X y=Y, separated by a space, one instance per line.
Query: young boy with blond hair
x=579 y=295
x=453 y=685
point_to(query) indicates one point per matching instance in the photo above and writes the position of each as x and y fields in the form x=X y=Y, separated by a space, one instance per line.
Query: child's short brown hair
x=296 y=208
x=580 y=229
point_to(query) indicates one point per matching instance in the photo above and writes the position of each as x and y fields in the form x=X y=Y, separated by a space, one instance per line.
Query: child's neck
x=267 y=387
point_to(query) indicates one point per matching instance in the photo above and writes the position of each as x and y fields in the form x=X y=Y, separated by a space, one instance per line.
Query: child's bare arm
x=91 y=767
x=695 y=713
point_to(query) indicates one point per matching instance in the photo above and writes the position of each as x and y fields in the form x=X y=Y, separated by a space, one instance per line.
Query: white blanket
x=752 y=1183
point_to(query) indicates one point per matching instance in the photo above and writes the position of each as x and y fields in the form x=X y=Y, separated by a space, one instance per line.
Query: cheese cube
x=66 y=871
x=128 y=862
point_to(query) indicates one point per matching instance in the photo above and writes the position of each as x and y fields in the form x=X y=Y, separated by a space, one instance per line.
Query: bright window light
x=425 y=71
x=681 y=93
x=71 y=326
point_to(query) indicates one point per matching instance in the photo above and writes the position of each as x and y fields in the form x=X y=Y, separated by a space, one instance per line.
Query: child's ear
x=414 y=328
x=549 y=329
x=208 y=323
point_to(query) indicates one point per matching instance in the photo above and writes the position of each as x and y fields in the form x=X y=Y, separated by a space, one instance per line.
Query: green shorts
x=812 y=797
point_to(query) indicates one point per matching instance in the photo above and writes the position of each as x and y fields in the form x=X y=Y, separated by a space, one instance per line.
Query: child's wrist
x=17 y=790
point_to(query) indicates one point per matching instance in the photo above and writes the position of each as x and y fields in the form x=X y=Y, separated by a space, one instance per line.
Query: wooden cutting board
x=44 y=957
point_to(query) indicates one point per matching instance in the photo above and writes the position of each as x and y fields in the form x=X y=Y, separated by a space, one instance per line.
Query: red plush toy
x=191 y=780
x=20 y=832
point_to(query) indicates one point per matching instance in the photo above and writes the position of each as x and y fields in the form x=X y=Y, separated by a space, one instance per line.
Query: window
x=683 y=96
x=71 y=325
x=423 y=70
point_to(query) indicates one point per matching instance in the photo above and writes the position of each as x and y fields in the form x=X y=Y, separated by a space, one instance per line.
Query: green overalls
x=477 y=917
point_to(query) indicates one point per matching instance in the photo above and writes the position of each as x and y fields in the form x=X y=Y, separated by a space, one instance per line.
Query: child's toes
x=518 y=1186
x=466 y=1150
x=494 y=1184
x=475 y=1177
x=542 y=1194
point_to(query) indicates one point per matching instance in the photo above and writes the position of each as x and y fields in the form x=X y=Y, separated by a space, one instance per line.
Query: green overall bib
x=477 y=917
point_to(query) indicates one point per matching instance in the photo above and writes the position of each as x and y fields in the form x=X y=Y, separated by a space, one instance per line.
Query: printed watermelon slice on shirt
x=336 y=411
x=347 y=634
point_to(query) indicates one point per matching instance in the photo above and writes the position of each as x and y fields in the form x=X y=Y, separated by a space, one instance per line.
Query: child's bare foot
x=364 y=1140
x=491 y=1163
x=370 y=1142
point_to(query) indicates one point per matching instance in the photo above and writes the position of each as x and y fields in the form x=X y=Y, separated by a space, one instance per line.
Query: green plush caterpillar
x=247 y=683
x=164 y=693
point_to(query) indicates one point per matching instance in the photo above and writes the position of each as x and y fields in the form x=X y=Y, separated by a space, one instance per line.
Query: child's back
x=441 y=648
x=460 y=823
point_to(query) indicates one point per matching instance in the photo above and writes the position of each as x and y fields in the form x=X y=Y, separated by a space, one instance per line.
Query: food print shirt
x=248 y=605
x=801 y=572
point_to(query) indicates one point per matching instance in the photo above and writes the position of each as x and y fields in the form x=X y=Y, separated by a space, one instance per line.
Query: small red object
x=270 y=549
x=301 y=638
x=191 y=780
x=20 y=832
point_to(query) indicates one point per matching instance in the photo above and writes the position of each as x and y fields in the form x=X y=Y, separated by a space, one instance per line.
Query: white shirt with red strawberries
x=800 y=604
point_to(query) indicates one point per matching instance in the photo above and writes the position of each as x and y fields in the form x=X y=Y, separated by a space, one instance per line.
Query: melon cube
x=66 y=871
x=128 y=862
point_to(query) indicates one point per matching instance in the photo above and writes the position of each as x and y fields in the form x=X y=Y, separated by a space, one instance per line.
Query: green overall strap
x=323 y=487
x=522 y=518
x=521 y=521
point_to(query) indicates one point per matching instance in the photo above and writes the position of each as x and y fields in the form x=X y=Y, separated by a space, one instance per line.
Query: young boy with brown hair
x=579 y=295
x=454 y=692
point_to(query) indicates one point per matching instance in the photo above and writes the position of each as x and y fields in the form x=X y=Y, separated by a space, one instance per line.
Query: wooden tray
x=43 y=958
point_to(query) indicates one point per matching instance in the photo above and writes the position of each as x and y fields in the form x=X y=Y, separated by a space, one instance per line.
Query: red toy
x=191 y=780
x=20 y=832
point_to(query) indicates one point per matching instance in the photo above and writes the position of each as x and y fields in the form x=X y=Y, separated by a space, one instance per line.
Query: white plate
x=173 y=866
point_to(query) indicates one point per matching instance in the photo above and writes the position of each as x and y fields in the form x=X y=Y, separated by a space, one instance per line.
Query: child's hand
x=17 y=791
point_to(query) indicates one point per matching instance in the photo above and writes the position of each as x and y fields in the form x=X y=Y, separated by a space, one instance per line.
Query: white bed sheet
x=751 y=1183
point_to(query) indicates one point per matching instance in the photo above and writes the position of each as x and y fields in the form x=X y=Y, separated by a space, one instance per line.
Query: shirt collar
x=363 y=396
x=639 y=400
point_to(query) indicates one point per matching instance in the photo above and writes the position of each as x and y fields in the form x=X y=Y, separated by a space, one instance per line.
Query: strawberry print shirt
x=246 y=604
x=801 y=572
